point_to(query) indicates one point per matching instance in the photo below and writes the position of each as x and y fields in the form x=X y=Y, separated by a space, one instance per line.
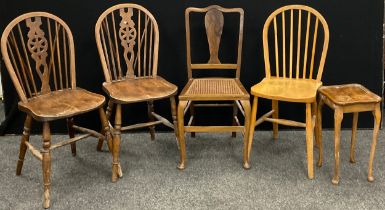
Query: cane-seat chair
x=127 y=37
x=38 y=51
x=207 y=91
x=292 y=75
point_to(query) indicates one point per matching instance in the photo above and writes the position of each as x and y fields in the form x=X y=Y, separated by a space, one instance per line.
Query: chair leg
x=116 y=170
x=150 y=109
x=46 y=164
x=377 y=121
x=314 y=114
x=246 y=108
x=309 y=141
x=105 y=129
x=353 y=140
x=192 y=113
x=235 y=114
x=71 y=133
x=23 y=147
x=275 y=116
x=250 y=136
x=318 y=134
x=338 y=116
x=182 y=143
x=108 y=115
x=174 y=118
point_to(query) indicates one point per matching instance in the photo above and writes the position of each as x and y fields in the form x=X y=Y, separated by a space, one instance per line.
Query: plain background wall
x=355 y=51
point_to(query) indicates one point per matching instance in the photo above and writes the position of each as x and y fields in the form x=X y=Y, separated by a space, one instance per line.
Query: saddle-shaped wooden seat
x=61 y=104
x=291 y=90
x=140 y=89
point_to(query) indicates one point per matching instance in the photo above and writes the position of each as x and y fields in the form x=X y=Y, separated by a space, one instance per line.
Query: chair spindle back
x=299 y=26
x=38 y=51
x=127 y=38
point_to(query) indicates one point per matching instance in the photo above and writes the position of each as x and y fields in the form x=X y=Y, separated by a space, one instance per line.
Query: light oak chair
x=38 y=51
x=127 y=37
x=292 y=74
x=211 y=89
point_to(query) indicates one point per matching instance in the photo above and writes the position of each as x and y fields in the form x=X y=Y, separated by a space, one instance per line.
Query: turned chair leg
x=338 y=116
x=150 y=109
x=250 y=136
x=235 y=114
x=318 y=135
x=23 y=147
x=377 y=121
x=192 y=113
x=105 y=129
x=174 y=118
x=309 y=141
x=116 y=169
x=109 y=140
x=182 y=143
x=71 y=133
x=275 y=116
x=353 y=140
x=247 y=110
x=46 y=164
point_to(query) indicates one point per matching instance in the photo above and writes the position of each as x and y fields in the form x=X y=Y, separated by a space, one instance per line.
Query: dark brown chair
x=38 y=51
x=127 y=37
x=208 y=90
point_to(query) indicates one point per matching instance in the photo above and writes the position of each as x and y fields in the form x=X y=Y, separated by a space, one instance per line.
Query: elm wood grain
x=349 y=98
x=140 y=89
x=213 y=89
x=38 y=51
x=287 y=82
x=62 y=104
x=127 y=38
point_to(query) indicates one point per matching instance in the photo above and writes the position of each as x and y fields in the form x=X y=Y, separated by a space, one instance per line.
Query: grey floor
x=213 y=179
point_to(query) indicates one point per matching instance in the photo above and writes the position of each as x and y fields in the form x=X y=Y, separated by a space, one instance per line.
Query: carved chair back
x=127 y=38
x=298 y=26
x=214 y=22
x=38 y=51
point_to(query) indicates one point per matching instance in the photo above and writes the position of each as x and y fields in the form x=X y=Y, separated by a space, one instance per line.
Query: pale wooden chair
x=213 y=89
x=127 y=37
x=38 y=51
x=294 y=78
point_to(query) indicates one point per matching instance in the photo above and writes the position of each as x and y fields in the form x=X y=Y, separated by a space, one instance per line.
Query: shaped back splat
x=38 y=46
x=214 y=22
x=127 y=35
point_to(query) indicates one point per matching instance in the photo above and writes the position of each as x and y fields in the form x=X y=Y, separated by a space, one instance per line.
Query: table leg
x=377 y=121
x=318 y=132
x=338 y=116
x=353 y=141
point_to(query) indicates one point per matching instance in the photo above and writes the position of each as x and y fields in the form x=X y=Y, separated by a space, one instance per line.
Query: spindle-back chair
x=127 y=37
x=38 y=51
x=213 y=89
x=296 y=77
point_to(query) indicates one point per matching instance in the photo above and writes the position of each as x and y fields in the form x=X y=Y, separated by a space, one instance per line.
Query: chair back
x=299 y=45
x=127 y=37
x=38 y=52
x=214 y=22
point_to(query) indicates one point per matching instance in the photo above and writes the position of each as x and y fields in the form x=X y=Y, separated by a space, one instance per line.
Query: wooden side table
x=350 y=98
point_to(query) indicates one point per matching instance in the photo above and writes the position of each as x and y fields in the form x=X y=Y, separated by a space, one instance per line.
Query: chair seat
x=61 y=104
x=285 y=89
x=139 y=89
x=212 y=89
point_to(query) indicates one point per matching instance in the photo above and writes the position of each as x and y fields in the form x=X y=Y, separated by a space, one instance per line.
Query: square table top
x=348 y=94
